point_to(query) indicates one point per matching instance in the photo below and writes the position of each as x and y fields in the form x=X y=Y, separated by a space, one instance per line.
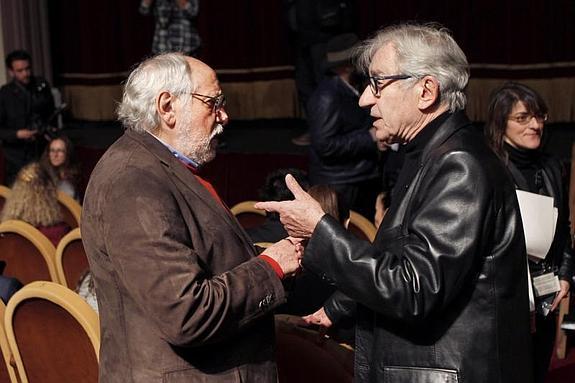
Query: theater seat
x=247 y=215
x=303 y=355
x=53 y=334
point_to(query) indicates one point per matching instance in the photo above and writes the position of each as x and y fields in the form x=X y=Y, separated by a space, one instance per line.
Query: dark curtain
x=498 y=33
x=97 y=42
x=107 y=37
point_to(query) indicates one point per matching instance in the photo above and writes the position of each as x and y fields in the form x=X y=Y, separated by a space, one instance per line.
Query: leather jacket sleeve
x=332 y=137
x=417 y=268
x=339 y=307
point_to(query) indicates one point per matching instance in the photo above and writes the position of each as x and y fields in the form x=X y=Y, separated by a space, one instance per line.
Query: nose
x=535 y=123
x=222 y=116
x=367 y=98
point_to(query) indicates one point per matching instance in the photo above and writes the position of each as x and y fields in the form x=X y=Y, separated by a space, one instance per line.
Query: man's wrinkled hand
x=319 y=318
x=287 y=253
x=299 y=216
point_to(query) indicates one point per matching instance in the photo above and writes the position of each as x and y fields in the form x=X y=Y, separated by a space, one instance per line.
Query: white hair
x=168 y=72
x=423 y=50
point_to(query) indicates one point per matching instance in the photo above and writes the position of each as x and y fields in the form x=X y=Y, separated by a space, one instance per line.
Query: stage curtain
x=96 y=43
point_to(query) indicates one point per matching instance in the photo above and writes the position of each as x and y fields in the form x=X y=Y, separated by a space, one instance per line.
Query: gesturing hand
x=299 y=216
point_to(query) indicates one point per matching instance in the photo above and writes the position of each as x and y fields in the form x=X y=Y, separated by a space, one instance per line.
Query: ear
x=428 y=92
x=165 y=109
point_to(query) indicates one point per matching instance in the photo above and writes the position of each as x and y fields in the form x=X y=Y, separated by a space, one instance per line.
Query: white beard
x=200 y=149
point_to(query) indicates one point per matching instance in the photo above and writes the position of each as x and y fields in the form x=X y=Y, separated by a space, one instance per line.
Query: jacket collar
x=186 y=178
x=455 y=122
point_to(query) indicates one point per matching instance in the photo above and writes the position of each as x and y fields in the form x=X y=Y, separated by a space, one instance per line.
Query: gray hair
x=423 y=50
x=168 y=72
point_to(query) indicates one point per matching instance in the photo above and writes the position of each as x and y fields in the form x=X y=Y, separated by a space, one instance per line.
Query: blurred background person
x=26 y=108
x=59 y=161
x=311 y=25
x=514 y=128
x=33 y=200
x=275 y=189
x=175 y=29
x=344 y=150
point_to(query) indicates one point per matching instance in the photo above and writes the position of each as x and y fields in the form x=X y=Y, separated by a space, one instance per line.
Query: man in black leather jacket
x=26 y=106
x=442 y=292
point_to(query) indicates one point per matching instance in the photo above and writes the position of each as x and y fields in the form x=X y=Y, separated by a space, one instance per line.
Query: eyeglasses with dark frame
x=375 y=82
x=525 y=118
x=215 y=102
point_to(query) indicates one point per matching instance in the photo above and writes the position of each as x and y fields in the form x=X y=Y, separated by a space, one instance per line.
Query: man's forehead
x=383 y=60
x=20 y=64
x=204 y=75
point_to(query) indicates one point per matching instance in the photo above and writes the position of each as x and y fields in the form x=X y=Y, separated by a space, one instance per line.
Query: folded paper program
x=539 y=218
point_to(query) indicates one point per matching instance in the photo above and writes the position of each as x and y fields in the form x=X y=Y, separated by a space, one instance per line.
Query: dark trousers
x=543 y=343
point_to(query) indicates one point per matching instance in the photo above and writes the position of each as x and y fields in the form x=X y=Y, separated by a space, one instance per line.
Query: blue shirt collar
x=178 y=155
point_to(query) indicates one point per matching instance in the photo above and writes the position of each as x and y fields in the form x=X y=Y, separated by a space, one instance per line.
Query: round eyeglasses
x=525 y=118
x=216 y=103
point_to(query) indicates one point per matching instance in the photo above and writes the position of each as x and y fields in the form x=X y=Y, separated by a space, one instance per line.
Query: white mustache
x=219 y=129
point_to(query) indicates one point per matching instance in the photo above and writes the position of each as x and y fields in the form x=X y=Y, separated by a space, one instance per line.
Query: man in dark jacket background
x=441 y=295
x=343 y=152
x=26 y=106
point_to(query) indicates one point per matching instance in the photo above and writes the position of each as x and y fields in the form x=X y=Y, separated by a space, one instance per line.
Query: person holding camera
x=26 y=107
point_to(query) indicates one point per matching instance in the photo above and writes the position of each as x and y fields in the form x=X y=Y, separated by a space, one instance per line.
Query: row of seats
x=48 y=333
x=30 y=256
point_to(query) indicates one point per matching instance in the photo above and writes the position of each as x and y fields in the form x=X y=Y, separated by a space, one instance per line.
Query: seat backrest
x=361 y=226
x=4 y=193
x=71 y=260
x=304 y=355
x=8 y=371
x=247 y=215
x=28 y=254
x=71 y=209
x=53 y=333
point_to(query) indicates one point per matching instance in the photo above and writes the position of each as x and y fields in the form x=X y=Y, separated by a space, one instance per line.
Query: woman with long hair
x=33 y=199
x=58 y=160
x=514 y=129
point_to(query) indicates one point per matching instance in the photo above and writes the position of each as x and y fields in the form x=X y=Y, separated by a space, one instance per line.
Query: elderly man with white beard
x=182 y=294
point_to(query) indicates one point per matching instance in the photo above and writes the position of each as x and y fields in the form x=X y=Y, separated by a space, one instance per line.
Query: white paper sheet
x=539 y=222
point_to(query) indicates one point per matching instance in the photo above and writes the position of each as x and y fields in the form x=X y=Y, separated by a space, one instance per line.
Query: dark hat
x=340 y=50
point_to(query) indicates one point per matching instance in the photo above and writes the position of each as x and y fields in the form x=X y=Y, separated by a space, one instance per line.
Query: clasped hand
x=288 y=254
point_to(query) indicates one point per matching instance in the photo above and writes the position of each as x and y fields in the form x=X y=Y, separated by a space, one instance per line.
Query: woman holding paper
x=514 y=127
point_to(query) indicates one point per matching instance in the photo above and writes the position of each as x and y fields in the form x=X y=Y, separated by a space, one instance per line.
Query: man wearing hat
x=343 y=150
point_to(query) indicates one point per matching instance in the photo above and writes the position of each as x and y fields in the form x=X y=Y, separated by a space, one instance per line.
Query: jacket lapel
x=188 y=180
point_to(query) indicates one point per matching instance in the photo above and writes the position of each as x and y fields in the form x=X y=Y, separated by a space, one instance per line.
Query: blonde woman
x=34 y=200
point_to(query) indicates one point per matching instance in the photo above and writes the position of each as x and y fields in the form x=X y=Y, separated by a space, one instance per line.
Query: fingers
x=294 y=187
x=556 y=302
x=268 y=206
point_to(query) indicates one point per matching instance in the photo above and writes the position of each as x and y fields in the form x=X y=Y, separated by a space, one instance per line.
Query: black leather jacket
x=442 y=292
x=342 y=150
x=560 y=257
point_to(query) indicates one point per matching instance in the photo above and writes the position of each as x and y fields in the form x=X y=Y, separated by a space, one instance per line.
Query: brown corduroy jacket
x=181 y=294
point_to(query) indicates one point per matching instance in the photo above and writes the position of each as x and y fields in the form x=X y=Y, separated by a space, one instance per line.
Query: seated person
x=33 y=200
x=275 y=189
x=58 y=160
